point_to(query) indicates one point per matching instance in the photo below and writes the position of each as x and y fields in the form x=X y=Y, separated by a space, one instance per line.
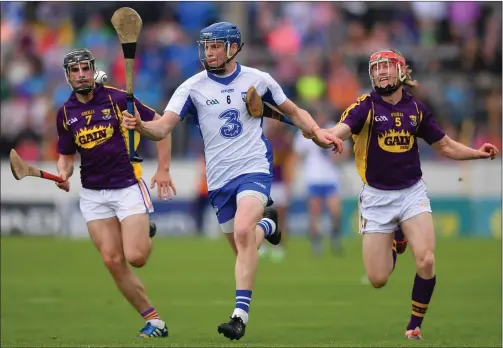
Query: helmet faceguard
x=390 y=66
x=80 y=58
x=222 y=32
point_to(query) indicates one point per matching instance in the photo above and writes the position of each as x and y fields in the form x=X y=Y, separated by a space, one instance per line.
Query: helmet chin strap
x=388 y=90
x=84 y=90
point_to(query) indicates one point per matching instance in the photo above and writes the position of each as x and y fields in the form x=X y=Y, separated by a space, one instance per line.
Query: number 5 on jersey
x=233 y=127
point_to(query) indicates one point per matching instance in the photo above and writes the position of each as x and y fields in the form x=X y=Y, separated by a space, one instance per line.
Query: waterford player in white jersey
x=321 y=177
x=238 y=156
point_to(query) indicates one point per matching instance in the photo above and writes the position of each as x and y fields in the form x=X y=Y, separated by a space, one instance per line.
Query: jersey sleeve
x=146 y=112
x=66 y=144
x=428 y=128
x=273 y=93
x=355 y=115
x=181 y=102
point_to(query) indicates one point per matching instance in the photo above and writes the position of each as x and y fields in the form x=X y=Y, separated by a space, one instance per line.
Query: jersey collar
x=98 y=87
x=225 y=80
x=377 y=98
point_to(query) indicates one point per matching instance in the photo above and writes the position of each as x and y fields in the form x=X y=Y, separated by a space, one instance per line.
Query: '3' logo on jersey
x=233 y=127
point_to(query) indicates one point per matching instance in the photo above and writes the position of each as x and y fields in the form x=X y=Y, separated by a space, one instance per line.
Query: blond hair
x=408 y=78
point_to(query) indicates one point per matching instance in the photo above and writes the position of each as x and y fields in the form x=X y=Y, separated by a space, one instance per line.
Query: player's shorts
x=322 y=190
x=384 y=210
x=103 y=204
x=225 y=199
x=279 y=193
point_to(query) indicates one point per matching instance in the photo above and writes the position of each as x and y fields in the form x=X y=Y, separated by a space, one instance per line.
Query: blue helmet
x=225 y=32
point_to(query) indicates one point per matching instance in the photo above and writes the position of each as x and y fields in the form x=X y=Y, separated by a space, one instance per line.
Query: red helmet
x=395 y=60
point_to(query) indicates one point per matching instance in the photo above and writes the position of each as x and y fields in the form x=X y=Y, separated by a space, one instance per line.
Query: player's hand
x=131 y=122
x=323 y=138
x=488 y=151
x=65 y=185
x=165 y=186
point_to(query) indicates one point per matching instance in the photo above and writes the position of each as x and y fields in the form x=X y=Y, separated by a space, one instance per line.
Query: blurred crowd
x=317 y=51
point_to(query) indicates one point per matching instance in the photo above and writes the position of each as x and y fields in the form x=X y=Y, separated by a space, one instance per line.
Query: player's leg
x=399 y=241
x=377 y=258
x=132 y=206
x=249 y=212
x=315 y=195
x=259 y=238
x=224 y=201
x=378 y=220
x=251 y=218
x=417 y=225
x=334 y=207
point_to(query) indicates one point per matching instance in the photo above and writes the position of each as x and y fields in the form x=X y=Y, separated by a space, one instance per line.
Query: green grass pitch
x=55 y=292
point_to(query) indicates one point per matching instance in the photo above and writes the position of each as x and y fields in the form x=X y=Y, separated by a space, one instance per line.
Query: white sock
x=268 y=226
x=238 y=312
x=156 y=322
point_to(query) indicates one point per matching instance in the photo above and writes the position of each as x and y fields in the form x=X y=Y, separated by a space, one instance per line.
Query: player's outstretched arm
x=65 y=167
x=162 y=177
x=341 y=131
x=305 y=122
x=450 y=148
x=156 y=129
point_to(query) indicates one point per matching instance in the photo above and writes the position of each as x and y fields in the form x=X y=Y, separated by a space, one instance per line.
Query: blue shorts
x=224 y=199
x=322 y=190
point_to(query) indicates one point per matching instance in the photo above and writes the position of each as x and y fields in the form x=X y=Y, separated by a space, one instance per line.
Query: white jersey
x=318 y=165
x=234 y=143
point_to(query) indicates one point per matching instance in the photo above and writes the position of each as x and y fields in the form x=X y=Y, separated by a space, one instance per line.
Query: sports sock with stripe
x=243 y=300
x=421 y=296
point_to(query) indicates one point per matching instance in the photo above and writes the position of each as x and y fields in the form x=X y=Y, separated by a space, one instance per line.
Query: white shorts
x=279 y=193
x=384 y=210
x=103 y=204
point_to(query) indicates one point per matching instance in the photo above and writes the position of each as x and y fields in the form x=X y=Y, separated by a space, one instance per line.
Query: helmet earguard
x=77 y=56
x=225 y=32
x=394 y=59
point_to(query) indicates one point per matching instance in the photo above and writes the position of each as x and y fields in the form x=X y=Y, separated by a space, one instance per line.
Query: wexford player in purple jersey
x=114 y=199
x=385 y=125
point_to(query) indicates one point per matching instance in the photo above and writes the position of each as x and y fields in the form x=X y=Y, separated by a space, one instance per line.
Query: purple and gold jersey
x=386 y=151
x=94 y=130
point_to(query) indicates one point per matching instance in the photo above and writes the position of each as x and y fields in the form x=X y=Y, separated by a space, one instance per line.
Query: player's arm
x=178 y=107
x=162 y=176
x=156 y=129
x=444 y=145
x=66 y=149
x=300 y=117
x=147 y=114
x=341 y=131
x=65 y=166
x=452 y=149
x=352 y=120
x=163 y=150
